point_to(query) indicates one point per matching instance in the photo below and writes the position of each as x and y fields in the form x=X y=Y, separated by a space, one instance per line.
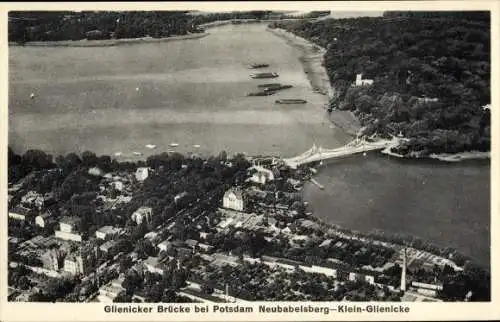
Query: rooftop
x=69 y=220
x=107 y=230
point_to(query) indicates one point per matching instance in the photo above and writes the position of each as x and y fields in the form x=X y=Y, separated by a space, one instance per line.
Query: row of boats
x=271 y=88
x=153 y=146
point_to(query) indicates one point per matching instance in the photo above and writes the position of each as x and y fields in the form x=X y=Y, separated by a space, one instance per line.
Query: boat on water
x=137 y=153
x=254 y=66
x=196 y=146
x=264 y=75
x=117 y=154
x=261 y=93
x=277 y=88
x=150 y=146
x=267 y=85
x=32 y=95
x=291 y=101
x=174 y=144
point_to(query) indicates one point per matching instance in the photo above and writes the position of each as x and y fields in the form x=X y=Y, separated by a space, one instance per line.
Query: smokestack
x=403 y=272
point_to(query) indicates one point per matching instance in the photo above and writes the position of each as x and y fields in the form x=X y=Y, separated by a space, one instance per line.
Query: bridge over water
x=358 y=145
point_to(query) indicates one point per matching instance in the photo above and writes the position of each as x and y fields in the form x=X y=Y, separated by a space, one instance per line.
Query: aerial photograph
x=247 y=156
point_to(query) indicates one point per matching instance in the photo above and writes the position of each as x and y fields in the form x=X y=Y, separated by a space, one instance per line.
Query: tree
x=89 y=159
x=123 y=297
x=24 y=283
x=207 y=287
x=132 y=282
x=155 y=293
x=36 y=160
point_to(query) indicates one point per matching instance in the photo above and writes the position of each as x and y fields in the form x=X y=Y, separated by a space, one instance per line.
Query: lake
x=190 y=92
x=118 y=99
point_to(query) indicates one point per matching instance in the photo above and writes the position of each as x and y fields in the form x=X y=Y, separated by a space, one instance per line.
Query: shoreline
x=312 y=63
x=108 y=42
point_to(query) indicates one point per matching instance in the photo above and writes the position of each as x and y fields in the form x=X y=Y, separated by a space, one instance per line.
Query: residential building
x=117 y=185
x=107 y=232
x=109 y=292
x=44 y=219
x=95 y=171
x=153 y=265
x=68 y=236
x=164 y=246
x=435 y=287
x=223 y=260
x=69 y=224
x=52 y=259
x=233 y=199
x=362 y=82
x=319 y=269
x=68 y=229
x=33 y=199
x=205 y=247
x=141 y=174
x=108 y=246
x=191 y=243
x=141 y=214
x=20 y=213
x=81 y=261
x=261 y=175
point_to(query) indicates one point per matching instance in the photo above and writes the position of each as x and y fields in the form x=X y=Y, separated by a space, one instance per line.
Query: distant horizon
x=334 y=14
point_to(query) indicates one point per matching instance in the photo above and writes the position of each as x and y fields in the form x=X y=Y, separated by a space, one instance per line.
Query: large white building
x=261 y=175
x=20 y=213
x=141 y=214
x=142 y=174
x=68 y=227
x=233 y=199
x=43 y=219
x=68 y=224
x=107 y=232
x=153 y=265
x=80 y=262
x=361 y=82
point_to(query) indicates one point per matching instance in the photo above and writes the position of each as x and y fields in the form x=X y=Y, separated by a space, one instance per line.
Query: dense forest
x=93 y=25
x=55 y=26
x=430 y=72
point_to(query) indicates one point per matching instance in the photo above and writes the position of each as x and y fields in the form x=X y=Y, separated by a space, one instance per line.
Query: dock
x=319 y=185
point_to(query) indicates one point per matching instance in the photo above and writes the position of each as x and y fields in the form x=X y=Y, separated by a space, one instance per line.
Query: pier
x=319 y=185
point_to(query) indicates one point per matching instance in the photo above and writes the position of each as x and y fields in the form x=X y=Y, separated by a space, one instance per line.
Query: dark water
x=193 y=92
x=448 y=204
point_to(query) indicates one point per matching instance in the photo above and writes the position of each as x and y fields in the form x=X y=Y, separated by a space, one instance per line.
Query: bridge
x=359 y=145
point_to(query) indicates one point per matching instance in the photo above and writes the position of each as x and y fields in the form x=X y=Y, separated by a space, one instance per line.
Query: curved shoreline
x=313 y=65
x=312 y=62
x=108 y=42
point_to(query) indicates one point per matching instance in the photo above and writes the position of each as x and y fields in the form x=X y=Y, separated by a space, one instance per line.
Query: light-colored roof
x=143 y=209
x=107 y=229
x=237 y=192
x=69 y=220
x=107 y=245
x=191 y=242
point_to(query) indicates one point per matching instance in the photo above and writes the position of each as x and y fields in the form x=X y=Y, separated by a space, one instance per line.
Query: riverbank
x=108 y=42
x=445 y=157
x=312 y=62
x=390 y=196
x=218 y=23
